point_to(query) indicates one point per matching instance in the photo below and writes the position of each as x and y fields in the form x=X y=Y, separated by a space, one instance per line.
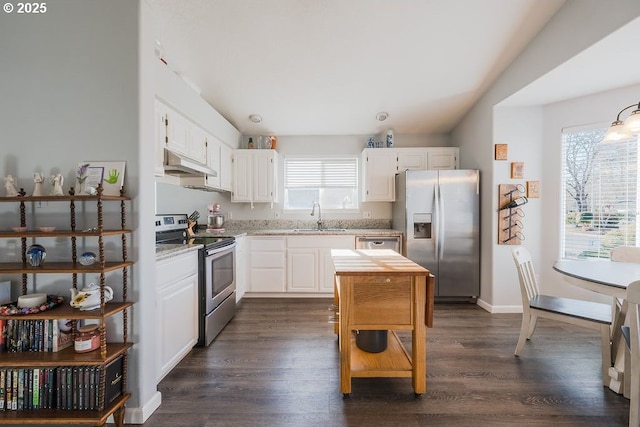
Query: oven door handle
x=214 y=251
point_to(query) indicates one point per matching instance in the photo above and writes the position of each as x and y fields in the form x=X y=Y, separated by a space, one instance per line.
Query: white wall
x=576 y=26
x=599 y=110
x=72 y=91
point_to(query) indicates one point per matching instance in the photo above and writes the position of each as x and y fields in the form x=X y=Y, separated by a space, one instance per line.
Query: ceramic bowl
x=19 y=229
x=46 y=229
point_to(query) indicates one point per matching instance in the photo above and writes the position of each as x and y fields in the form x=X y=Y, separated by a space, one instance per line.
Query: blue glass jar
x=36 y=255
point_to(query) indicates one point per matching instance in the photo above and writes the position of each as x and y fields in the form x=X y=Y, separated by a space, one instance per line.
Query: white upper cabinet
x=379 y=168
x=197 y=144
x=181 y=136
x=443 y=158
x=160 y=138
x=379 y=165
x=225 y=170
x=411 y=159
x=255 y=176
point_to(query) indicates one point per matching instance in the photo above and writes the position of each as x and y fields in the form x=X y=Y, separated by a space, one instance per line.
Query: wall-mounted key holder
x=510 y=213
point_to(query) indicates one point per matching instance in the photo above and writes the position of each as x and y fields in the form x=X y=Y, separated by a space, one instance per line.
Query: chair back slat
x=625 y=254
x=633 y=299
x=526 y=273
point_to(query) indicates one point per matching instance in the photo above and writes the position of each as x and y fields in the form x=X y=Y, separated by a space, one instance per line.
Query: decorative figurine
x=36 y=255
x=57 y=181
x=10 y=186
x=38 y=179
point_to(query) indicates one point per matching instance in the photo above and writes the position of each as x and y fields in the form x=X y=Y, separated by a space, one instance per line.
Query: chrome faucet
x=313 y=211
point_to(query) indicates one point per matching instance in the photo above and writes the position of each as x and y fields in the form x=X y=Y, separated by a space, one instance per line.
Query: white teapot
x=89 y=297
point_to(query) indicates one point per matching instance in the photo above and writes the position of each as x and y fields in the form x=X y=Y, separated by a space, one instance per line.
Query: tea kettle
x=89 y=297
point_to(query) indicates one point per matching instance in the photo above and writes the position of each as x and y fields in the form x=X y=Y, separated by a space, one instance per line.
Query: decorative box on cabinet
x=108 y=363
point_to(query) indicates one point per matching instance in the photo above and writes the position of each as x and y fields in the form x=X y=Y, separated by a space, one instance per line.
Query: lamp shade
x=616 y=132
x=632 y=123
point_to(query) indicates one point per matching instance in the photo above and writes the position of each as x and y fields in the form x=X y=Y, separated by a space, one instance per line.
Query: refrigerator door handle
x=441 y=231
x=438 y=220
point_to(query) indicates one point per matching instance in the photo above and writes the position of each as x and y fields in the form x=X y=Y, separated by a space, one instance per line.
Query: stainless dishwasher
x=378 y=242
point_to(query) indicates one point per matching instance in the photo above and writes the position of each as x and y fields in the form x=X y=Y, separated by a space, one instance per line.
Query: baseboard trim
x=499 y=308
x=140 y=414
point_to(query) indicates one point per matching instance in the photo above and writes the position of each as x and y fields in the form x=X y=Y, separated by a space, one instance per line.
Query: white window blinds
x=321 y=172
x=600 y=194
x=330 y=181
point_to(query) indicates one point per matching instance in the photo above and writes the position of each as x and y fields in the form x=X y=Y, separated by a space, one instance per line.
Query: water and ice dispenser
x=422 y=223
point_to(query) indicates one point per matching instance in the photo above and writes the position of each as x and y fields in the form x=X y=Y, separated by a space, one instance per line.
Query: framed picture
x=517 y=170
x=533 y=189
x=501 y=151
x=109 y=174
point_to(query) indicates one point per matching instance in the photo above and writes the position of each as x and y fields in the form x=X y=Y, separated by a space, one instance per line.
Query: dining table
x=609 y=278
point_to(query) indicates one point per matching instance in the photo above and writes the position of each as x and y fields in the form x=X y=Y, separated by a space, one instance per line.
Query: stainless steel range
x=216 y=273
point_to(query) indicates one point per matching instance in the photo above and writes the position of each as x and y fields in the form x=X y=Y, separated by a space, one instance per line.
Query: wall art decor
x=533 y=189
x=109 y=174
x=501 y=151
x=517 y=170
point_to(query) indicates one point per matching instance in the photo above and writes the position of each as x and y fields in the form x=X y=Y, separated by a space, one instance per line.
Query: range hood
x=176 y=164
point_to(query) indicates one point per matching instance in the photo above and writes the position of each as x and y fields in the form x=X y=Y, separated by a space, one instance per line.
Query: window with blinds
x=600 y=183
x=330 y=181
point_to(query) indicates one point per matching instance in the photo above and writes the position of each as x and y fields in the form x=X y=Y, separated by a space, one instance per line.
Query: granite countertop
x=166 y=250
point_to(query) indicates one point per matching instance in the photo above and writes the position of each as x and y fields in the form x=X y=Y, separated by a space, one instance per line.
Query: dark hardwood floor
x=276 y=364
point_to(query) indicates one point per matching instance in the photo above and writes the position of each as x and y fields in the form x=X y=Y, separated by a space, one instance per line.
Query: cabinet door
x=213 y=160
x=325 y=284
x=197 y=144
x=177 y=311
x=242 y=176
x=241 y=267
x=443 y=158
x=379 y=167
x=411 y=159
x=302 y=270
x=264 y=179
x=267 y=264
x=224 y=172
x=160 y=138
x=177 y=133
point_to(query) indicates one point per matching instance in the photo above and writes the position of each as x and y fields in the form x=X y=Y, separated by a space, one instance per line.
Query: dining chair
x=588 y=314
x=633 y=300
x=619 y=309
x=625 y=254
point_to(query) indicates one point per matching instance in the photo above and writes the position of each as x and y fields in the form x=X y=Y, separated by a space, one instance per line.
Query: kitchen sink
x=325 y=230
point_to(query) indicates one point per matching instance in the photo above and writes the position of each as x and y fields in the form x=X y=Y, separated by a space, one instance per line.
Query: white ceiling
x=326 y=67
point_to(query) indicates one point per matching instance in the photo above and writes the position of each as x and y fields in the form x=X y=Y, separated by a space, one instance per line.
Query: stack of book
x=33 y=335
x=63 y=387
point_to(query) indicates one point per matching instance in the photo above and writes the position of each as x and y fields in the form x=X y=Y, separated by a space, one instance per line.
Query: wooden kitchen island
x=379 y=289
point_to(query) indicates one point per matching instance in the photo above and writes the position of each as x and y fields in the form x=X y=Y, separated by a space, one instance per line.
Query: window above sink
x=330 y=180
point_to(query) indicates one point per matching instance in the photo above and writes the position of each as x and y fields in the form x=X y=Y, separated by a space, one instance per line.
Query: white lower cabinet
x=267 y=264
x=176 y=310
x=241 y=267
x=309 y=264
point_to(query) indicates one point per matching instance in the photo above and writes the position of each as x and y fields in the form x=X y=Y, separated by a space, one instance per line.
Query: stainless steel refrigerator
x=438 y=212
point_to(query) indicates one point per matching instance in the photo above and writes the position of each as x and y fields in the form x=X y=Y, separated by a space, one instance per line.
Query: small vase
x=36 y=255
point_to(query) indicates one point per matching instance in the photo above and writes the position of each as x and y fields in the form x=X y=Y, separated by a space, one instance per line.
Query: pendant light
x=620 y=130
